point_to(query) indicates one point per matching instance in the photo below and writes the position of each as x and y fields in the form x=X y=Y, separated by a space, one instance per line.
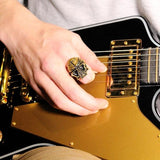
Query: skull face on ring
x=77 y=68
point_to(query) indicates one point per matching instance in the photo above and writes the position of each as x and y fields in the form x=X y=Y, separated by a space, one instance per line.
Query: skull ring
x=77 y=68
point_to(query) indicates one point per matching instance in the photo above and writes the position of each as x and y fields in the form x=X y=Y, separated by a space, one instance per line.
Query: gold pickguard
x=120 y=132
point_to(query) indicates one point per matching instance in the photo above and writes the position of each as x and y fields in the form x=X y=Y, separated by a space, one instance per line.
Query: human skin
x=41 y=50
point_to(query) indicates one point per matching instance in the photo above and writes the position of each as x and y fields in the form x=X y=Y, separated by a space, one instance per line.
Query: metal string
x=126 y=50
x=124 y=67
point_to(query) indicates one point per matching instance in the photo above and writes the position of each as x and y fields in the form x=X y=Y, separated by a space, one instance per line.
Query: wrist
x=8 y=11
x=15 y=22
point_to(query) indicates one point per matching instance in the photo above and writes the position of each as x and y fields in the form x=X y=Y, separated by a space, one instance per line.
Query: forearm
x=14 y=17
x=8 y=11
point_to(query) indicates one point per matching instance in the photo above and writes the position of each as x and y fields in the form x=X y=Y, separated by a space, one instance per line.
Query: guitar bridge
x=123 y=75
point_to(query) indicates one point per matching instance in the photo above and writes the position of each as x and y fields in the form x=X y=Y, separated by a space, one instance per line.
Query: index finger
x=89 y=57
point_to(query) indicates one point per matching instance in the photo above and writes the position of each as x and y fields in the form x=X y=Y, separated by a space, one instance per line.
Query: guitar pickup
x=123 y=75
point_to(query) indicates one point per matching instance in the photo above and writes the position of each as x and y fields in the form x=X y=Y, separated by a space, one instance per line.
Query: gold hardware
x=122 y=92
x=135 y=93
x=130 y=57
x=124 y=85
x=113 y=42
x=14 y=123
x=138 y=41
x=129 y=76
x=25 y=92
x=4 y=76
x=7 y=91
x=133 y=101
x=129 y=82
x=27 y=98
x=129 y=69
x=16 y=109
x=130 y=51
x=3 y=100
x=71 y=143
x=108 y=94
x=130 y=63
x=1 y=136
x=125 y=43
x=149 y=64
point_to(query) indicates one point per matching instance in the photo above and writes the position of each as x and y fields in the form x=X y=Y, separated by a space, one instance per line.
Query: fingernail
x=103 y=67
x=95 y=111
x=104 y=104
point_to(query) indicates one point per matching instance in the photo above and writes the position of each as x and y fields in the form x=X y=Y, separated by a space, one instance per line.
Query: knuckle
x=75 y=38
x=63 y=46
x=48 y=67
x=73 y=94
x=44 y=65
x=60 y=103
x=31 y=82
x=94 y=108
x=36 y=77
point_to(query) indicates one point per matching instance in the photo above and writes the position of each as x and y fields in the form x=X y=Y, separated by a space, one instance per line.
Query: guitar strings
x=127 y=60
x=113 y=62
x=123 y=73
x=131 y=67
x=127 y=50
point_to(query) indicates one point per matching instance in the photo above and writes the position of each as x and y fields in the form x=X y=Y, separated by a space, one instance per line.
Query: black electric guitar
x=127 y=129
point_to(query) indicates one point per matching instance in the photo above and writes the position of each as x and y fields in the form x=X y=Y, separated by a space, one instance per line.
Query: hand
x=41 y=51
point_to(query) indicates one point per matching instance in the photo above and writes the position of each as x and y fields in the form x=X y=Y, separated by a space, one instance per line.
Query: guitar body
x=127 y=129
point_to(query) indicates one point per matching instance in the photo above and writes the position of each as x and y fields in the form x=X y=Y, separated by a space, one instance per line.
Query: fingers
x=59 y=98
x=89 y=57
x=70 y=87
x=89 y=77
x=94 y=65
x=66 y=52
x=66 y=84
x=61 y=88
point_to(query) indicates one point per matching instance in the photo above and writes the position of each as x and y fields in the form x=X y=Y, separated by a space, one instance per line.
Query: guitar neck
x=150 y=66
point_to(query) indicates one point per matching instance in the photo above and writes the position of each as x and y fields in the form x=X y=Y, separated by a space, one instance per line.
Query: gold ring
x=77 y=68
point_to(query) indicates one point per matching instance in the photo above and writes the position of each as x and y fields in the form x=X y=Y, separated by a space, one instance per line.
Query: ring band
x=77 y=68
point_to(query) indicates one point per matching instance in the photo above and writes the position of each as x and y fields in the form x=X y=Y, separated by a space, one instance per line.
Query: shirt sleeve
x=150 y=11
